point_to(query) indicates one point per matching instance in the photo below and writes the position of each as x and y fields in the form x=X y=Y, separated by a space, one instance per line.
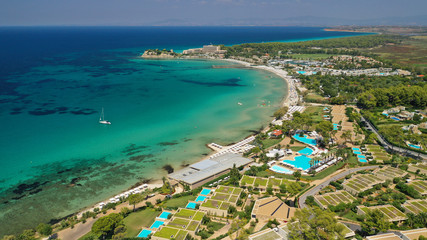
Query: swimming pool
x=200 y=198
x=144 y=233
x=157 y=224
x=356 y=149
x=205 y=191
x=335 y=128
x=361 y=156
x=357 y=152
x=395 y=118
x=279 y=169
x=306 y=151
x=385 y=114
x=300 y=162
x=164 y=215
x=305 y=140
x=301 y=72
x=415 y=146
x=362 y=160
x=191 y=205
x=326 y=116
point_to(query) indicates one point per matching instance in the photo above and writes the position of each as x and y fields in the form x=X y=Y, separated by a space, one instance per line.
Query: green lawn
x=178 y=202
x=167 y=232
x=135 y=221
x=316 y=113
x=297 y=148
x=326 y=172
x=224 y=206
x=270 y=142
x=181 y=235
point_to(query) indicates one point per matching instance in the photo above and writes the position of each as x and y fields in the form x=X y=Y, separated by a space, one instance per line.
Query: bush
x=44 y=229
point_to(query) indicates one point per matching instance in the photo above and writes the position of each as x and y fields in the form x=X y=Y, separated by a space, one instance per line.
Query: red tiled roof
x=277 y=132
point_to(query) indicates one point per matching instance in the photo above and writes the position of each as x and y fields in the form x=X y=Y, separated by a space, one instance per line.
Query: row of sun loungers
x=240 y=147
x=126 y=194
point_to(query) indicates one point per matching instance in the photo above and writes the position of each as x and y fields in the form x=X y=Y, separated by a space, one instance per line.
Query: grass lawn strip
x=411 y=208
x=199 y=216
x=185 y=213
x=387 y=213
x=419 y=206
x=331 y=200
x=237 y=191
x=342 y=198
x=167 y=232
x=224 y=206
x=274 y=182
x=178 y=202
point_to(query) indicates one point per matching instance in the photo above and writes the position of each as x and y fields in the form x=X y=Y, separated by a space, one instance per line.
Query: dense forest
x=346 y=45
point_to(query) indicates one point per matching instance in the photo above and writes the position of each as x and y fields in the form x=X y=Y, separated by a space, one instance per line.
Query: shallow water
x=55 y=156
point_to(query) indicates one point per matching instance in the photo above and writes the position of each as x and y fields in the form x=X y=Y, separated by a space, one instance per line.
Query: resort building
x=277 y=233
x=360 y=183
x=391 y=213
x=413 y=234
x=272 y=208
x=421 y=167
x=207 y=170
x=207 y=49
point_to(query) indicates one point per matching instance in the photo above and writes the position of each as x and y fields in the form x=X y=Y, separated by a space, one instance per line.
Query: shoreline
x=155 y=182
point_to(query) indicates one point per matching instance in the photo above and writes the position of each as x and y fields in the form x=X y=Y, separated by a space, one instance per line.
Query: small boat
x=102 y=120
x=240 y=103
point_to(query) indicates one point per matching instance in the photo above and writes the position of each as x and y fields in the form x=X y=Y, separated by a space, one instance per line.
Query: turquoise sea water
x=57 y=158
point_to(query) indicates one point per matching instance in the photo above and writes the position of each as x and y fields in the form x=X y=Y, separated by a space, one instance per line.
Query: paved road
x=389 y=146
x=316 y=189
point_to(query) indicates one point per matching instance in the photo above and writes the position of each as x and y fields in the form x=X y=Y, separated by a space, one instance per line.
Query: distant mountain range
x=295 y=21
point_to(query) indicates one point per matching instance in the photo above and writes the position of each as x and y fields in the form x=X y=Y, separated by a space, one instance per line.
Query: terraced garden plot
x=199 y=216
x=224 y=206
x=360 y=183
x=179 y=223
x=185 y=213
x=274 y=182
x=221 y=196
x=420 y=186
x=421 y=167
x=247 y=180
x=334 y=198
x=233 y=198
x=262 y=182
x=225 y=189
x=237 y=191
x=181 y=235
x=193 y=226
x=167 y=232
x=416 y=206
x=390 y=173
x=391 y=213
x=212 y=204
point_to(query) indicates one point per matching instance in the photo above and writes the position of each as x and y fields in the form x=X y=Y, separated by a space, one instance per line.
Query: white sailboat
x=102 y=120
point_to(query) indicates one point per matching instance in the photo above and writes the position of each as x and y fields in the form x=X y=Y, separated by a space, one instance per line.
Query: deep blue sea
x=55 y=158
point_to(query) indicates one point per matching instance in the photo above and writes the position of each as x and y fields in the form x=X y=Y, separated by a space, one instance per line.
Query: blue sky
x=203 y=12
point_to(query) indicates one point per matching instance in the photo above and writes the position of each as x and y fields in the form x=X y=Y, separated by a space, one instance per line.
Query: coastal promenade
x=318 y=187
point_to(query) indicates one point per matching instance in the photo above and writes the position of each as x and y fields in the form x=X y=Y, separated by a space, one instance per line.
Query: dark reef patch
x=42 y=112
x=84 y=111
x=167 y=143
x=232 y=82
x=141 y=158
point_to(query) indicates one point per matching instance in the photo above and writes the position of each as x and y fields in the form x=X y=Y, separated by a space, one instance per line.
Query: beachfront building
x=207 y=170
x=207 y=49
